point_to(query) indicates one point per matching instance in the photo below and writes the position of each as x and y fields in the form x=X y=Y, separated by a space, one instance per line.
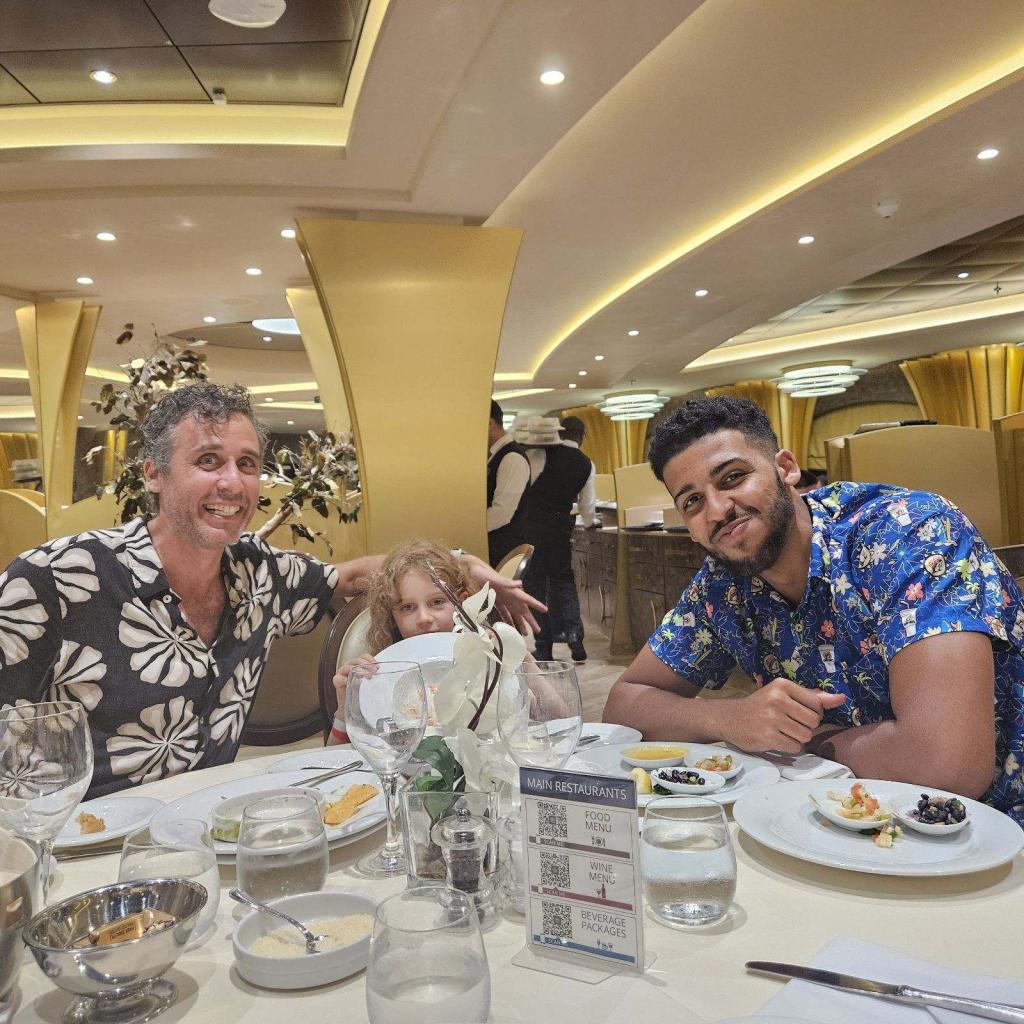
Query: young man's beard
x=779 y=518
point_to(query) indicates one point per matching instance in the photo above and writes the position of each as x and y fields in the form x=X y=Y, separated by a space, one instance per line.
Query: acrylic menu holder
x=581 y=872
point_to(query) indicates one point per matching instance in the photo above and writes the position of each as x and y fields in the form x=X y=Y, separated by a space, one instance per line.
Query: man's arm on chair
x=649 y=696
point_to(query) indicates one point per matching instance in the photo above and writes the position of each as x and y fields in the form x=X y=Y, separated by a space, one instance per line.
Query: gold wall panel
x=415 y=313
x=24 y=525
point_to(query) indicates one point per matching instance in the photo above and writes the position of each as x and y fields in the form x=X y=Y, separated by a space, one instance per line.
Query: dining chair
x=514 y=564
x=346 y=638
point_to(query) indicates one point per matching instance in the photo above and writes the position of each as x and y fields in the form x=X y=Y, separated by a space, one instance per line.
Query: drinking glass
x=427 y=960
x=45 y=770
x=385 y=716
x=687 y=860
x=282 y=847
x=540 y=714
x=178 y=848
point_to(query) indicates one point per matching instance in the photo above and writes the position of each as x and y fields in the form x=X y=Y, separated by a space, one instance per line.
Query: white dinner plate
x=609 y=733
x=426 y=647
x=785 y=820
x=607 y=760
x=120 y=814
x=200 y=805
x=323 y=759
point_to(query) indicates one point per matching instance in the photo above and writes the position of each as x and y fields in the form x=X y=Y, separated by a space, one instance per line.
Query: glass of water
x=687 y=861
x=282 y=847
x=179 y=848
x=427 y=961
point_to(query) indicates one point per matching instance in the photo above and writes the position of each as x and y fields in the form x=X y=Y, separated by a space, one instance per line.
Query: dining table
x=785 y=910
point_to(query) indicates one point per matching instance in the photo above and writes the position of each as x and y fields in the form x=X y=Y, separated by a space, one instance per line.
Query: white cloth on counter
x=802 y=999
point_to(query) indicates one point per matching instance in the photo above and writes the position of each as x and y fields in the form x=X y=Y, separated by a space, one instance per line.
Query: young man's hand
x=781 y=715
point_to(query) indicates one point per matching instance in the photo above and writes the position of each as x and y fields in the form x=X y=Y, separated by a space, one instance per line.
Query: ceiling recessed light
x=291 y=423
x=598 y=359
x=988 y=154
x=83 y=280
x=805 y=239
x=700 y=293
x=267 y=337
x=633 y=333
x=103 y=76
x=552 y=77
x=288 y=232
x=106 y=236
x=253 y=271
x=81 y=417
x=209 y=319
x=582 y=373
x=277 y=325
x=267 y=399
x=571 y=386
x=963 y=274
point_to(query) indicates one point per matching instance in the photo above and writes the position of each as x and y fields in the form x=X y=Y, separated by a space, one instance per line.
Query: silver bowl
x=121 y=982
x=19 y=895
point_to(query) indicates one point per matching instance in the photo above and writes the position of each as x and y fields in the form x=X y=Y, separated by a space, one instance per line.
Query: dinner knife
x=905 y=994
x=317 y=779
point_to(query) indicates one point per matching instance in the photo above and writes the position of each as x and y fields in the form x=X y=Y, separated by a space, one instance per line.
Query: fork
x=326 y=775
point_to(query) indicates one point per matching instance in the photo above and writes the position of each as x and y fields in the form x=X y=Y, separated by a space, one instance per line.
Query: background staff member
x=508 y=486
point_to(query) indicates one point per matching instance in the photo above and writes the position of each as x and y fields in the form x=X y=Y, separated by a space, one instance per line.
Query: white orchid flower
x=477 y=606
x=486 y=765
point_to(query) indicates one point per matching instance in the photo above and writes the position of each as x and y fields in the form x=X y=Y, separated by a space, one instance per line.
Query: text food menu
x=582 y=865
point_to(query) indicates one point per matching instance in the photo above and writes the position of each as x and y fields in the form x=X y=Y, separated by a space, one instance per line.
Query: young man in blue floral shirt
x=878 y=625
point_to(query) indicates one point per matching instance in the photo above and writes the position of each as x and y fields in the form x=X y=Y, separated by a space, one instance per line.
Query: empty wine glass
x=540 y=713
x=45 y=770
x=427 y=961
x=178 y=848
x=282 y=847
x=385 y=716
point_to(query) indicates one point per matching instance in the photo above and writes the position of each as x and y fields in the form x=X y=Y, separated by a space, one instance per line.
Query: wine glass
x=45 y=770
x=427 y=961
x=540 y=713
x=178 y=848
x=282 y=847
x=385 y=716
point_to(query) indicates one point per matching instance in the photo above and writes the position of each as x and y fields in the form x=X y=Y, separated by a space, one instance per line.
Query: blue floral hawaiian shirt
x=888 y=567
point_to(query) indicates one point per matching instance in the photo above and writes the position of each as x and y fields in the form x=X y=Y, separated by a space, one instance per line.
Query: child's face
x=420 y=607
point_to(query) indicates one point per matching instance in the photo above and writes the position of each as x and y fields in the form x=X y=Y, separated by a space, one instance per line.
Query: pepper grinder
x=466 y=841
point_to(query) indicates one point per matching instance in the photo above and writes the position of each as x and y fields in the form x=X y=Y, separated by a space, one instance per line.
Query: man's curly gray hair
x=206 y=402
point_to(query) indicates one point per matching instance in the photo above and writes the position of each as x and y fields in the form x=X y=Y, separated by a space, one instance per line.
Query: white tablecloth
x=785 y=910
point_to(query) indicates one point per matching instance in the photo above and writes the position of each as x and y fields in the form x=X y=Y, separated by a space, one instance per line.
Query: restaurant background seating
x=15 y=446
x=346 y=637
x=513 y=566
x=1008 y=434
x=22 y=523
x=957 y=462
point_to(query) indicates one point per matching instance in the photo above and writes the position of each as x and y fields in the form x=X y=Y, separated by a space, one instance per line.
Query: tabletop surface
x=785 y=910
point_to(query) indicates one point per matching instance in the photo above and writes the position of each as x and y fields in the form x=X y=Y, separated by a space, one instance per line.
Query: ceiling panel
x=189 y=23
x=155 y=73
x=77 y=24
x=11 y=92
x=274 y=73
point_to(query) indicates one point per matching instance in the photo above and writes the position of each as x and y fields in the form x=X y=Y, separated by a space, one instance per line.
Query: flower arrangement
x=465 y=704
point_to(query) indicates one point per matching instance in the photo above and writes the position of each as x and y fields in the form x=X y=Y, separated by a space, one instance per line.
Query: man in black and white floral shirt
x=161 y=627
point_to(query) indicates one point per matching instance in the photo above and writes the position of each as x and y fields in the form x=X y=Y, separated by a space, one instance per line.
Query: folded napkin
x=807 y=767
x=802 y=999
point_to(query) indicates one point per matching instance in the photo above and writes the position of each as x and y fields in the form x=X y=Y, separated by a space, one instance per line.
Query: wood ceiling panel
x=155 y=74
x=11 y=93
x=189 y=23
x=77 y=24
x=274 y=73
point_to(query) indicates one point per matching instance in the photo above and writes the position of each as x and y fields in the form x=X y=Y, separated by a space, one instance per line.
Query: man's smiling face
x=211 y=488
x=733 y=497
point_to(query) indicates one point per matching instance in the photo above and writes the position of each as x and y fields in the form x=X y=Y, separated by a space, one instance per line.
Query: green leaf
x=435 y=752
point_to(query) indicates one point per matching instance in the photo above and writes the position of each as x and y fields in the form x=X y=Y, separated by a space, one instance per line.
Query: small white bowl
x=904 y=807
x=736 y=768
x=309 y=969
x=655 y=762
x=226 y=817
x=713 y=782
x=828 y=809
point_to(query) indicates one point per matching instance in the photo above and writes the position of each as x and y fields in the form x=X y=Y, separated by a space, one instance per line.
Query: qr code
x=557 y=920
x=551 y=820
x=554 y=870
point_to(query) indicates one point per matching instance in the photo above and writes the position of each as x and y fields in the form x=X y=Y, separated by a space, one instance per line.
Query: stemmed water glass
x=45 y=770
x=427 y=961
x=385 y=716
x=540 y=714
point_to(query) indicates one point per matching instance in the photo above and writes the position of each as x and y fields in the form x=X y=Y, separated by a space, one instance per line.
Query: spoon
x=312 y=940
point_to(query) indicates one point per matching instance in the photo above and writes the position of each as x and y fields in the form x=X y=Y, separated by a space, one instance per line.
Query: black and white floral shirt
x=92 y=618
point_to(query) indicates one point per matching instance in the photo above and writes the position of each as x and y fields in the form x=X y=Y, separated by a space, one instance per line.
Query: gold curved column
x=57 y=340
x=414 y=313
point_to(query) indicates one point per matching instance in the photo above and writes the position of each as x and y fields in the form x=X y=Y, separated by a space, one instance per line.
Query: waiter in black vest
x=562 y=476
x=508 y=486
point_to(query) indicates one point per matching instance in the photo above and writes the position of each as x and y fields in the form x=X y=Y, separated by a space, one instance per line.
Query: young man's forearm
x=663 y=715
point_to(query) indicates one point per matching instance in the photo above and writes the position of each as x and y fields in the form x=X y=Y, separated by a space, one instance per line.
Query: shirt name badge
x=828 y=657
x=908 y=616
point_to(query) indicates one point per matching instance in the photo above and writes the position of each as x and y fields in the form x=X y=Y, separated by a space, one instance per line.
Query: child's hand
x=344 y=669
